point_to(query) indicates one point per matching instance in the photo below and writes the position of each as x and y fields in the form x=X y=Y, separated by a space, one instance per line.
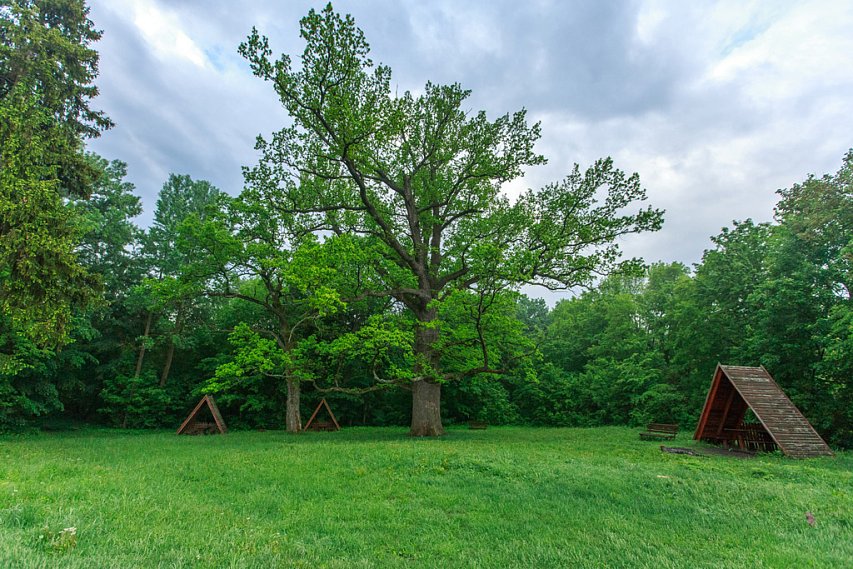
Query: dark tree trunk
x=139 y=359
x=145 y=334
x=170 y=354
x=426 y=393
x=293 y=418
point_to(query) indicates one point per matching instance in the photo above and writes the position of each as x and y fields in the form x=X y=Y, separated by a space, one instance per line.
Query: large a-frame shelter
x=736 y=389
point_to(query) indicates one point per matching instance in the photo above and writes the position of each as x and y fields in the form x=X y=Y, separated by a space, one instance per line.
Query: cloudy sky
x=715 y=104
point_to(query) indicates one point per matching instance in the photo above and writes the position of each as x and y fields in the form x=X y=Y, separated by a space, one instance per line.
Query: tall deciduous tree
x=421 y=178
x=803 y=309
x=251 y=253
x=175 y=300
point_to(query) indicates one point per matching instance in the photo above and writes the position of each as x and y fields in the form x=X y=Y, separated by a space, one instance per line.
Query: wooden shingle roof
x=780 y=417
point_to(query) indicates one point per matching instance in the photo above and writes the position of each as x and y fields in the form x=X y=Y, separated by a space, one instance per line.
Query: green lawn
x=371 y=497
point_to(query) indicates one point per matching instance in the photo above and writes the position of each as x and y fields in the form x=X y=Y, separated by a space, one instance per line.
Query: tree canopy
x=420 y=179
x=47 y=69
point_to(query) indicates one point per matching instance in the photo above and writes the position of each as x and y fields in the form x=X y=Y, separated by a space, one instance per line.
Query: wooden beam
x=709 y=401
x=332 y=415
x=191 y=416
x=314 y=414
x=217 y=416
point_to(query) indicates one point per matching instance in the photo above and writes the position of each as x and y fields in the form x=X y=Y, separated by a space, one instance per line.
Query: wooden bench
x=659 y=431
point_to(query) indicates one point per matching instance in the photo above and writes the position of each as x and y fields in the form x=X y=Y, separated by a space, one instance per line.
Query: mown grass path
x=371 y=497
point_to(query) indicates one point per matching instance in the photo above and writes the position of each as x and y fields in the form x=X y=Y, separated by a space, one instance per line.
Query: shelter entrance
x=727 y=422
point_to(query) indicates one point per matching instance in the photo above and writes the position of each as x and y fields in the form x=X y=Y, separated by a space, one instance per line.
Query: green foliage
x=249 y=383
x=253 y=354
x=246 y=252
x=770 y=294
x=382 y=345
x=804 y=305
x=180 y=198
x=660 y=400
x=168 y=307
x=46 y=74
x=25 y=388
x=835 y=371
x=110 y=238
x=420 y=178
x=482 y=399
x=617 y=345
x=41 y=280
x=47 y=69
x=556 y=399
x=108 y=248
x=372 y=248
x=134 y=402
x=481 y=334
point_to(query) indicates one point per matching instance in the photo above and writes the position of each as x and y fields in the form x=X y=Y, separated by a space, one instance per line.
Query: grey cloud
x=580 y=57
x=172 y=117
x=708 y=151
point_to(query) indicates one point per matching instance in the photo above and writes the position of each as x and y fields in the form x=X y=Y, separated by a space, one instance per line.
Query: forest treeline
x=370 y=259
x=632 y=349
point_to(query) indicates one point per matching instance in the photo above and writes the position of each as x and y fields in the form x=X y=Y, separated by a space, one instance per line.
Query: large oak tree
x=420 y=178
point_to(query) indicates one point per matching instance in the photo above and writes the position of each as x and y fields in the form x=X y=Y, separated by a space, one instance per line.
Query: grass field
x=370 y=497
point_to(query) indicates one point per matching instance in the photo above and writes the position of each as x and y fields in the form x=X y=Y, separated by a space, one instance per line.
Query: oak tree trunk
x=426 y=393
x=293 y=418
x=426 y=409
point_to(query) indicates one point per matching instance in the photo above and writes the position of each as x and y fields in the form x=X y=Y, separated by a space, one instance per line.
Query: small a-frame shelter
x=736 y=389
x=194 y=425
x=313 y=425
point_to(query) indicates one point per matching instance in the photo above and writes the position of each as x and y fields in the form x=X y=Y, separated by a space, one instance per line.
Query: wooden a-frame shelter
x=193 y=426
x=735 y=389
x=322 y=425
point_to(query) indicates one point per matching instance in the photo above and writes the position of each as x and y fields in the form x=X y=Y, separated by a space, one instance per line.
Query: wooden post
x=726 y=410
x=706 y=411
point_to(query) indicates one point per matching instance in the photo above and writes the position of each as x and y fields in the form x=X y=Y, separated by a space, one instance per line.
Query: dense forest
x=372 y=259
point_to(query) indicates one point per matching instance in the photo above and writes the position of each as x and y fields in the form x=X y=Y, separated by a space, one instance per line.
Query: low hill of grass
x=373 y=497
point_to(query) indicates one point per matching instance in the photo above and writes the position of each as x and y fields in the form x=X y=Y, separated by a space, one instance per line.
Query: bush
x=136 y=402
x=662 y=403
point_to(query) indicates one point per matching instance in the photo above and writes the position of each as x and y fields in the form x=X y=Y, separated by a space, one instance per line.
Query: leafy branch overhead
x=423 y=177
